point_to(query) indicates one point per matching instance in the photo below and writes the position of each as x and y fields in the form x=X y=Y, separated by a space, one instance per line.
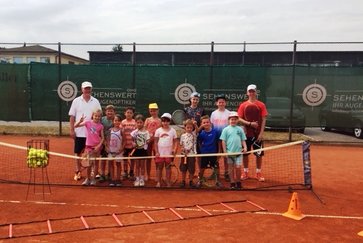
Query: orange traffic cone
x=294 y=211
x=360 y=233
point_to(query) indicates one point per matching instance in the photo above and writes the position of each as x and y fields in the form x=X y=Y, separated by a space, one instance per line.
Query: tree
x=117 y=48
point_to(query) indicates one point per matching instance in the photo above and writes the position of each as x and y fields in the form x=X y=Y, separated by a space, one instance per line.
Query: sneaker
x=118 y=183
x=93 y=182
x=98 y=176
x=182 y=184
x=102 y=178
x=86 y=182
x=77 y=176
x=226 y=177
x=157 y=184
x=259 y=176
x=191 y=184
x=137 y=182
x=244 y=175
x=219 y=185
x=233 y=186
x=199 y=184
x=142 y=182
x=112 y=183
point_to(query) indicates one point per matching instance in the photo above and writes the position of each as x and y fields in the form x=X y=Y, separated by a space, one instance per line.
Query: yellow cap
x=153 y=106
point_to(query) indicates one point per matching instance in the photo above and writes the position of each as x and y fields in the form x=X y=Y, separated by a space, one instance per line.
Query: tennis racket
x=257 y=145
x=210 y=177
x=128 y=161
x=252 y=113
x=178 y=117
x=174 y=172
x=86 y=161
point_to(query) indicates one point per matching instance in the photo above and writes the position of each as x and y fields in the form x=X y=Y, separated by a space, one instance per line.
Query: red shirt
x=127 y=128
x=261 y=112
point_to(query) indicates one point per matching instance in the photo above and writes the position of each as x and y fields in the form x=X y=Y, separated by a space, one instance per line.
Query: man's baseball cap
x=86 y=84
x=251 y=87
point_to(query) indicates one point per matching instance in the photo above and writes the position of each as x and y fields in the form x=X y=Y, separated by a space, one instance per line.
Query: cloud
x=162 y=21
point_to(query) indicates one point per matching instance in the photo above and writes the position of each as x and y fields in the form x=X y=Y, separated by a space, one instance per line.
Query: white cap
x=251 y=87
x=194 y=94
x=86 y=84
x=233 y=114
x=166 y=115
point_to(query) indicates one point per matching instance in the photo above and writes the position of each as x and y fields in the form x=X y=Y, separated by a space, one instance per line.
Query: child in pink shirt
x=94 y=141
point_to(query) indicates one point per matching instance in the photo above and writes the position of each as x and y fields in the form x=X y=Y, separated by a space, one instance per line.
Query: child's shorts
x=127 y=151
x=115 y=155
x=139 y=153
x=189 y=166
x=163 y=159
x=207 y=161
x=236 y=160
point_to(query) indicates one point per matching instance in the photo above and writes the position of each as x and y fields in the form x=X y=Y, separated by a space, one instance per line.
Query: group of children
x=139 y=138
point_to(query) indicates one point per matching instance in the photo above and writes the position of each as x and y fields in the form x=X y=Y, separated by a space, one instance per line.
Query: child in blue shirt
x=208 y=144
x=234 y=141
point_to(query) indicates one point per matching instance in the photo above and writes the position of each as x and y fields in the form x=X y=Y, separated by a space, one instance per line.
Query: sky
x=179 y=21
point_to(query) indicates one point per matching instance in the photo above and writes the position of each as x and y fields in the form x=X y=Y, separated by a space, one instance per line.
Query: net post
x=306 y=164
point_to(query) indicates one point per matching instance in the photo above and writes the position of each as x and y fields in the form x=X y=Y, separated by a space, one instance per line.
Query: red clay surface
x=337 y=180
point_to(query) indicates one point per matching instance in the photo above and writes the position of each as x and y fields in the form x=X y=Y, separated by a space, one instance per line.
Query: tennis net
x=284 y=166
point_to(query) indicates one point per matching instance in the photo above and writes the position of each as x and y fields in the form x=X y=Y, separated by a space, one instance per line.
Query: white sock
x=258 y=170
x=245 y=169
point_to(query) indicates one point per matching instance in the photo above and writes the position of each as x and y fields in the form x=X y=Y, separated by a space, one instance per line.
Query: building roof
x=36 y=49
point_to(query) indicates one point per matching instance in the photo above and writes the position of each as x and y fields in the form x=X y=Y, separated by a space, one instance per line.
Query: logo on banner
x=314 y=94
x=182 y=93
x=67 y=90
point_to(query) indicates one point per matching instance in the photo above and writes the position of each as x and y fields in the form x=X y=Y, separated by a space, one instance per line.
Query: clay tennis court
x=334 y=209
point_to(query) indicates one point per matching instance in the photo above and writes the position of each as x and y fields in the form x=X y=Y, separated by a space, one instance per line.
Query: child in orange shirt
x=151 y=124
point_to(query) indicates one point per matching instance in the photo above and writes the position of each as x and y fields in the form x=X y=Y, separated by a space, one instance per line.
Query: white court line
x=61 y=203
x=180 y=209
x=316 y=215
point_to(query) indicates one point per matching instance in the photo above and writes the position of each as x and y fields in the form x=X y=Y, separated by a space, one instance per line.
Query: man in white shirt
x=84 y=105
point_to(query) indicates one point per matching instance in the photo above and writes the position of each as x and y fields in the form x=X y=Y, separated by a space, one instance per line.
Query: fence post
x=134 y=65
x=59 y=81
x=211 y=63
x=292 y=88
